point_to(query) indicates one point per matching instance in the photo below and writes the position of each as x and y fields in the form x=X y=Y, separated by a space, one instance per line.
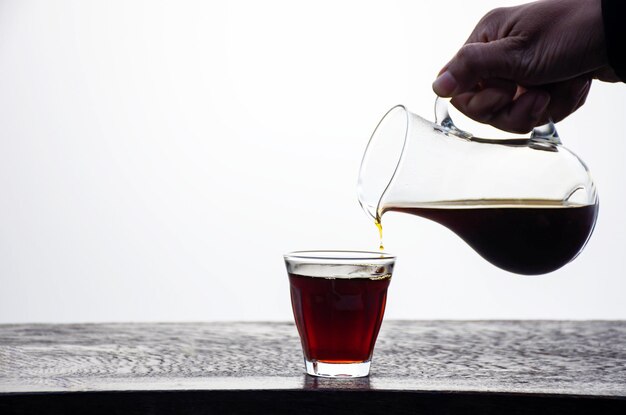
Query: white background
x=157 y=159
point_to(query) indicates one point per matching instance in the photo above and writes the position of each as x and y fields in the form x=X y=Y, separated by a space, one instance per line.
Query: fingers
x=488 y=28
x=476 y=62
x=485 y=80
x=519 y=110
x=487 y=102
x=523 y=114
x=567 y=97
x=517 y=116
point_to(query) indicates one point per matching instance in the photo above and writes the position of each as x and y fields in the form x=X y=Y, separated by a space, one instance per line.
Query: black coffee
x=524 y=237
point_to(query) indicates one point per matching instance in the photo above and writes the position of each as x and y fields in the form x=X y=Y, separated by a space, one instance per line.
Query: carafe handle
x=544 y=134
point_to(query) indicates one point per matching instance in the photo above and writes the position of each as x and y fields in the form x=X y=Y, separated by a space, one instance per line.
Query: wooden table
x=419 y=367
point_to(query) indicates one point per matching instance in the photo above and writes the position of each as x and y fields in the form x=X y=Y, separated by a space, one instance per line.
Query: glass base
x=337 y=370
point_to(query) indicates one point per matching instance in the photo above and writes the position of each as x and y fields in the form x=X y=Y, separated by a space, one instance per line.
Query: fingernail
x=540 y=105
x=445 y=84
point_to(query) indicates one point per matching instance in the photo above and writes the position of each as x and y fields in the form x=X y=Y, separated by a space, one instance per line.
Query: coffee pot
x=526 y=204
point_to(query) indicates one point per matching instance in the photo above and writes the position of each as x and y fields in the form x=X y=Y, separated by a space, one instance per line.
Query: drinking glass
x=338 y=300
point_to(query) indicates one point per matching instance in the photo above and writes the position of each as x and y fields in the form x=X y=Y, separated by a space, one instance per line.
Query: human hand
x=525 y=65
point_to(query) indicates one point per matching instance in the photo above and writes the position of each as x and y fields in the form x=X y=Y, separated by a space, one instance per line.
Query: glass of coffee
x=338 y=300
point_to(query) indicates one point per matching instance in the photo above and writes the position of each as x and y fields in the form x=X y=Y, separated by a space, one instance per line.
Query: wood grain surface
x=574 y=363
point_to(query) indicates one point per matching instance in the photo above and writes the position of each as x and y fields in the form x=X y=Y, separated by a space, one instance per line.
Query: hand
x=524 y=65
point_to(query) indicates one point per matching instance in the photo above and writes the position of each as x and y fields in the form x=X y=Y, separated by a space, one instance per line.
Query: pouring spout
x=381 y=158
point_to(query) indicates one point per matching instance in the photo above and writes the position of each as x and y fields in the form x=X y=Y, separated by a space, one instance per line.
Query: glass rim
x=331 y=255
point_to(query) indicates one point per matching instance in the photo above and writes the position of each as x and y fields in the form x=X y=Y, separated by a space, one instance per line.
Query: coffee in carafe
x=524 y=237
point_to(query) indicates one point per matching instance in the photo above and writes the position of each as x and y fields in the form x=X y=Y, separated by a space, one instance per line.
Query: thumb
x=476 y=62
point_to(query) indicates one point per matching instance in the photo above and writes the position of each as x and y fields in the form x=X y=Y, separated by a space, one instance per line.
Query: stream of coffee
x=379 y=224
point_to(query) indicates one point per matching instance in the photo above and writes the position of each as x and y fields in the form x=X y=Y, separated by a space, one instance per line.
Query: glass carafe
x=526 y=204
